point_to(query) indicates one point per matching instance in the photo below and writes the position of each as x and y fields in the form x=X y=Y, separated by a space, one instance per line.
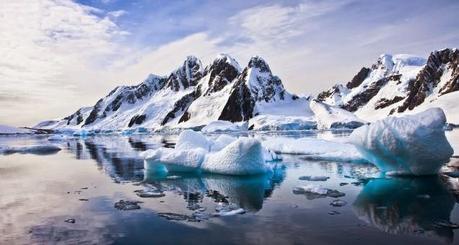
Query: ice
x=34 y=149
x=413 y=144
x=189 y=139
x=59 y=137
x=331 y=117
x=315 y=149
x=222 y=141
x=314 y=178
x=242 y=157
x=224 y=155
x=313 y=192
x=281 y=122
x=224 y=126
x=174 y=160
x=5 y=130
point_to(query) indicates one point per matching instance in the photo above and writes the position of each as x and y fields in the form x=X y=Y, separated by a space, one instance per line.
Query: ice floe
x=412 y=144
x=224 y=126
x=315 y=149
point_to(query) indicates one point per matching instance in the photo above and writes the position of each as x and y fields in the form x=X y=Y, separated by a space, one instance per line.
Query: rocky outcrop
x=438 y=63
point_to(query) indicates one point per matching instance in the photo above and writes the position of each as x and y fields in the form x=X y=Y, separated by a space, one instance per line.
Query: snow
x=223 y=126
x=330 y=117
x=222 y=141
x=242 y=157
x=33 y=149
x=315 y=149
x=4 y=130
x=279 y=122
x=412 y=144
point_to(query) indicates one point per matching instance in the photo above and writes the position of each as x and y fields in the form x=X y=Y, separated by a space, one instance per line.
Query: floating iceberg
x=242 y=157
x=315 y=149
x=223 y=126
x=413 y=144
x=225 y=155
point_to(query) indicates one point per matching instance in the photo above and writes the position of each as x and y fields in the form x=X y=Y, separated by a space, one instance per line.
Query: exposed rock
x=358 y=78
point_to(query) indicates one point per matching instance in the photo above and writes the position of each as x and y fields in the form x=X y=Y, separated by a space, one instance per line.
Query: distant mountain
x=401 y=84
x=192 y=96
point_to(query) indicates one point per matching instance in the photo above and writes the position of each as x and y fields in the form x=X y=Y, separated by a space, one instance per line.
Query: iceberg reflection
x=418 y=206
x=247 y=192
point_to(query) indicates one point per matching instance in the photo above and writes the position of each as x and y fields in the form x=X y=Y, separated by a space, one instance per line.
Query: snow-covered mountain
x=401 y=84
x=192 y=96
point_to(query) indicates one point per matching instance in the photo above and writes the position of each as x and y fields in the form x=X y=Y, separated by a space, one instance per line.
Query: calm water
x=39 y=193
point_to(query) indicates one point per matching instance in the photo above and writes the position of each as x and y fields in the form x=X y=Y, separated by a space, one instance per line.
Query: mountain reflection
x=247 y=192
x=419 y=206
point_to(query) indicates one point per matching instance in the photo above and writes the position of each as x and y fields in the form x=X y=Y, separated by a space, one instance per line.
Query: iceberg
x=189 y=139
x=242 y=157
x=223 y=126
x=315 y=149
x=410 y=145
x=224 y=155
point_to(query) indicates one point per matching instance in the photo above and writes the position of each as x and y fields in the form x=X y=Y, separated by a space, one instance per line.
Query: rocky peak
x=186 y=75
x=259 y=63
x=223 y=70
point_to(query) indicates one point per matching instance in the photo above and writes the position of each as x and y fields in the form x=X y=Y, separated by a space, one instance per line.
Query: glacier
x=409 y=145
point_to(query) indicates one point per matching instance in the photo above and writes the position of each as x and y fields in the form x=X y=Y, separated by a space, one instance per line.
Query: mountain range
x=193 y=96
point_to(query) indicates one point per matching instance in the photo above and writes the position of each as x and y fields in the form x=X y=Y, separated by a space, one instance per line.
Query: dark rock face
x=78 y=116
x=363 y=98
x=429 y=77
x=359 y=78
x=181 y=106
x=187 y=75
x=329 y=93
x=258 y=62
x=126 y=94
x=383 y=103
x=240 y=104
x=221 y=74
x=137 y=119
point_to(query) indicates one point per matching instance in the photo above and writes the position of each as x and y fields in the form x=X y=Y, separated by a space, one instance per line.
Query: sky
x=59 y=55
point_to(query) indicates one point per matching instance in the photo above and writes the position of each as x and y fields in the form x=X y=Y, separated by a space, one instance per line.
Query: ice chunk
x=34 y=149
x=315 y=149
x=189 y=139
x=413 y=144
x=223 y=126
x=330 y=117
x=277 y=122
x=242 y=157
x=173 y=160
x=314 y=178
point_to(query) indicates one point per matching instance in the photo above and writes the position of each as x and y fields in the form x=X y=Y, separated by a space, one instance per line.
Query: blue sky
x=63 y=54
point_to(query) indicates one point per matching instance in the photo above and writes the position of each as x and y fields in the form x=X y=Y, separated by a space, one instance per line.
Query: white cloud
x=39 y=41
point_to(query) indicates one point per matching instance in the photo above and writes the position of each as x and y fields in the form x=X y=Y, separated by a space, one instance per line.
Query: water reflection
x=247 y=192
x=420 y=206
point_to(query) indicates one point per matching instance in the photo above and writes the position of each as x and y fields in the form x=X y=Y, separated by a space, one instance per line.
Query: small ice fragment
x=314 y=178
x=423 y=196
x=127 y=205
x=338 y=203
x=333 y=212
x=71 y=221
x=230 y=213
x=149 y=193
x=335 y=193
x=343 y=184
x=448 y=224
